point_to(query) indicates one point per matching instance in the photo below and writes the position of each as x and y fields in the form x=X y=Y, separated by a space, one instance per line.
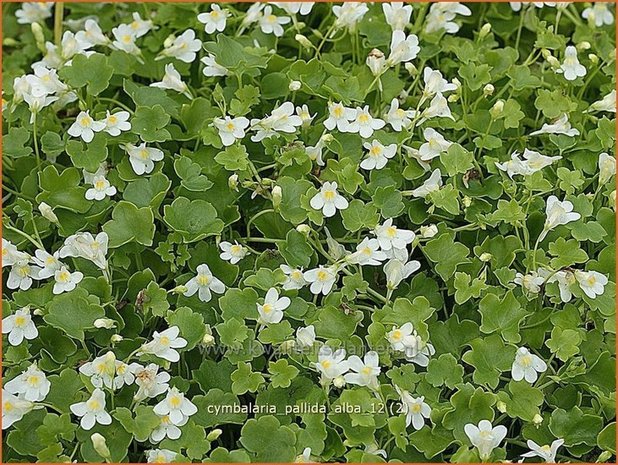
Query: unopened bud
x=38 y=312
x=214 y=434
x=302 y=40
x=537 y=420
x=485 y=30
x=612 y=199
x=100 y=446
x=208 y=340
x=429 y=231
x=232 y=182
x=501 y=406
x=488 y=90
x=116 y=338
x=585 y=45
x=593 y=58
x=295 y=85
x=604 y=456
x=457 y=83
x=453 y=98
x=327 y=138
x=47 y=212
x=287 y=347
x=545 y=53
x=106 y=323
x=376 y=62
x=181 y=289
x=277 y=195
x=39 y=37
x=497 y=109
x=339 y=382
x=553 y=62
x=411 y=69
x=485 y=257
x=169 y=41
x=467 y=201
x=303 y=229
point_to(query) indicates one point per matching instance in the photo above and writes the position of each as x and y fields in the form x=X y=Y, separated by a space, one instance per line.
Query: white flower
x=124 y=375
x=150 y=383
x=376 y=62
x=435 y=145
x=253 y=14
x=339 y=116
x=21 y=275
x=142 y=158
x=139 y=26
x=44 y=82
x=85 y=127
x=305 y=336
x=391 y=237
x=271 y=311
x=101 y=370
x=31 y=385
x=281 y=119
x=294 y=8
x=607 y=167
x=13 y=409
x=526 y=366
x=167 y=429
x=203 y=283
x=92 y=411
x=378 y=155
x=558 y=213
x=164 y=344
x=397 y=270
x=367 y=253
x=305 y=116
x=571 y=67
x=33 y=12
x=176 y=406
x=415 y=409
x=365 y=124
x=212 y=68
x=591 y=282
x=607 y=103
x=328 y=200
x=599 y=14
x=441 y=16
x=10 y=254
x=430 y=185
x=160 y=456
x=564 y=279
x=183 y=48
x=428 y=231
x=294 y=278
x=531 y=282
x=546 y=452
x=399 y=118
x=321 y=279
x=117 y=122
x=49 y=263
x=233 y=253
x=560 y=126
x=331 y=364
x=516 y=6
x=125 y=39
x=397 y=15
x=366 y=370
x=70 y=46
x=36 y=104
x=172 y=81
x=272 y=24
x=215 y=19
x=533 y=162
x=65 y=280
x=47 y=212
x=315 y=152
x=485 y=437
x=85 y=246
x=101 y=189
x=435 y=83
x=400 y=337
x=231 y=129
x=438 y=108
x=403 y=49
x=418 y=351
x=91 y=35
x=305 y=457
x=349 y=14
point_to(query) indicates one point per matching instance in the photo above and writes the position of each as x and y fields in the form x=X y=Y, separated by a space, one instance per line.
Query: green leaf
x=93 y=72
x=456 y=160
x=502 y=315
x=566 y=253
x=575 y=426
x=246 y=380
x=150 y=122
x=444 y=371
x=191 y=325
x=130 y=223
x=523 y=401
x=268 y=440
x=295 y=249
x=190 y=175
x=88 y=156
x=564 y=343
x=467 y=290
x=234 y=158
x=282 y=373
x=73 y=313
x=446 y=254
x=360 y=215
x=147 y=192
x=15 y=143
x=193 y=219
x=490 y=357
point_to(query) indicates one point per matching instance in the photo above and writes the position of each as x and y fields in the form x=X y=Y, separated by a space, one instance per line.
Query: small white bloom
x=531 y=282
x=294 y=8
x=599 y=14
x=13 y=409
x=85 y=246
x=400 y=337
x=438 y=108
x=558 y=213
x=100 y=189
x=376 y=62
x=36 y=104
x=430 y=185
x=607 y=103
x=560 y=126
x=231 y=129
x=176 y=406
x=139 y=26
x=125 y=39
x=364 y=124
x=571 y=67
x=564 y=279
x=607 y=167
x=49 y=263
x=418 y=351
x=533 y=162
x=92 y=411
x=21 y=275
x=160 y=456
x=203 y=283
x=183 y=47
x=85 y=127
x=399 y=118
x=441 y=16
x=150 y=383
x=164 y=344
x=378 y=155
x=272 y=24
x=214 y=20
x=65 y=281
x=331 y=364
x=527 y=365
x=367 y=253
x=321 y=279
x=232 y=253
x=546 y=452
x=10 y=254
x=124 y=375
x=142 y=158
x=105 y=323
x=117 y=122
x=328 y=200
x=294 y=278
x=366 y=370
x=349 y=14
x=172 y=81
x=281 y=119
x=428 y=231
x=397 y=270
x=305 y=336
x=415 y=409
x=33 y=12
x=305 y=116
x=31 y=385
x=101 y=370
x=435 y=145
x=435 y=83
x=485 y=437
x=212 y=68
x=167 y=429
x=44 y=82
x=403 y=49
x=591 y=282
x=391 y=237
x=271 y=311
x=339 y=116
x=91 y=35
x=397 y=15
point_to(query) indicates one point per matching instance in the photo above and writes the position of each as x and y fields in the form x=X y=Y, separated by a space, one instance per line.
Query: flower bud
x=100 y=446
x=232 y=182
x=485 y=257
x=181 y=289
x=485 y=30
x=295 y=85
x=38 y=312
x=303 y=229
x=545 y=53
x=376 y=62
x=37 y=32
x=537 y=420
x=604 y=456
x=327 y=138
x=453 y=98
x=47 y=212
x=167 y=43
x=593 y=58
x=277 y=195
x=553 y=62
x=287 y=347
x=497 y=109
x=106 y=323
x=116 y=338
x=467 y=201
x=302 y=40
x=488 y=90
x=501 y=406
x=208 y=340
x=339 y=382
x=429 y=231
x=585 y=45
x=411 y=69
x=612 y=200
x=214 y=434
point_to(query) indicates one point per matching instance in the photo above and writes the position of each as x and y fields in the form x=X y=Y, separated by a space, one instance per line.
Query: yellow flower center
x=267 y=308
x=591 y=280
x=322 y=275
x=397 y=335
x=367 y=251
x=64 y=276
x=376 y=151
x=143 y=154
x=338 y=111
x=236 y=249
x=175 y=401
x=165 y=340
x=416 y=408
x=400 y=113
x=23 y=271
x=366 y=371
x=329 y=195
x=50 y=260
x=20 y=320
x=127 y=39
x=485 y=434
x=111 y=119
x=230 y=126
x=296 y=275
x=271 y=19
x=326 y=364
x=526 y=361
x=363 y=118
x=546 y=449
x=391 y=231
x=33 y=380
x=99 y=184
x=214 y=14
x=7 y=406
x=203 y=280
x=93 y=404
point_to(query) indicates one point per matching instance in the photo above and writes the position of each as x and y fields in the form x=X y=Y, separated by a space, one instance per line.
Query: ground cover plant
x=313 y=232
